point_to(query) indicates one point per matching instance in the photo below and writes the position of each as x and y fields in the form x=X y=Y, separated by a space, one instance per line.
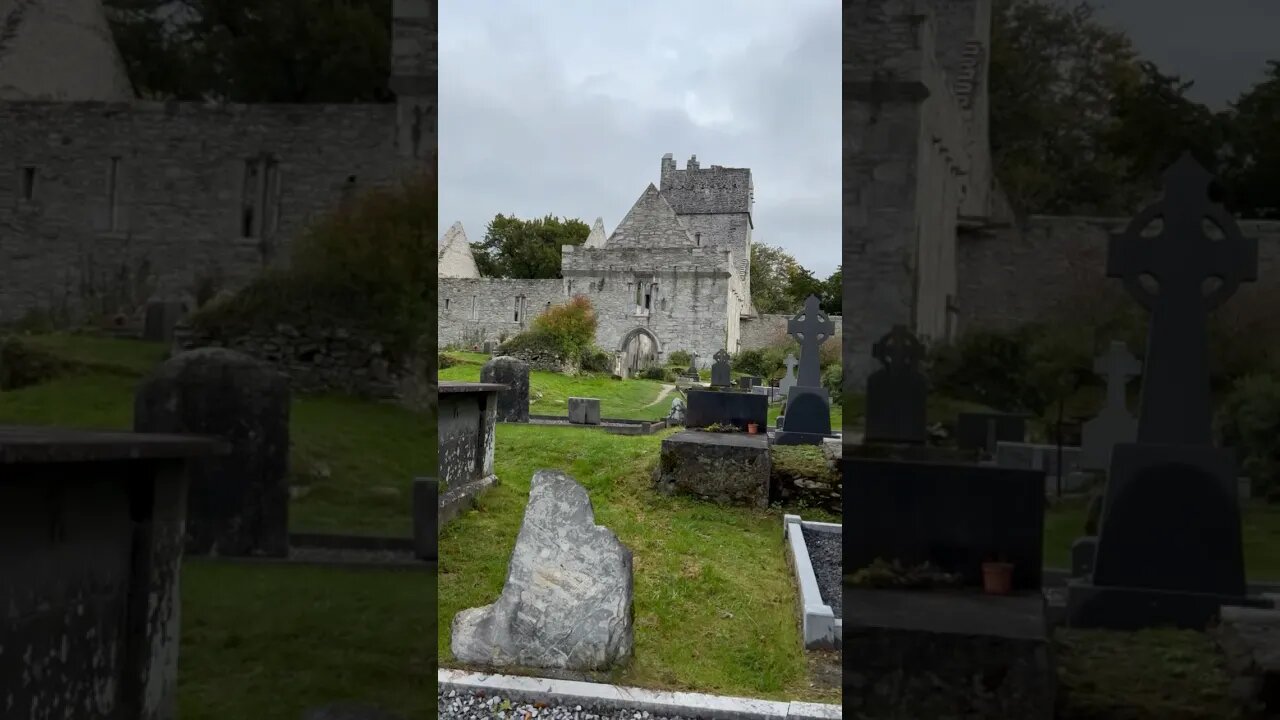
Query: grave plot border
x=820 y=628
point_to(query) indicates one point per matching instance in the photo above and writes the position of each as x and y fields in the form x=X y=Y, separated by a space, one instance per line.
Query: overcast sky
x=1222 y=45
x=567 y=107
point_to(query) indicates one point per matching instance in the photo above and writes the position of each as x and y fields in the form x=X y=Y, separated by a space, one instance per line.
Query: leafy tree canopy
x=528 y=249
x=779 y=284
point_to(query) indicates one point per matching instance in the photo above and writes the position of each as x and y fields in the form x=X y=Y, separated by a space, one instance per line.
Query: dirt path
x=666 y=390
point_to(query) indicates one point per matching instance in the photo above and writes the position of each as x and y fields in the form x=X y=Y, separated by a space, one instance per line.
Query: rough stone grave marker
x=720 y=370
x=1169 y=550
x=1114 y=424
x=789 y=380
x=808 y=414
x=513 y=403
x=897 y=393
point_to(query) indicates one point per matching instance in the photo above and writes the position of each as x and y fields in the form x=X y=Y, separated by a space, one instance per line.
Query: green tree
x=769 y=273
x=833 y=292
x=528 y=249
x=286 y=51
x=1252 y=173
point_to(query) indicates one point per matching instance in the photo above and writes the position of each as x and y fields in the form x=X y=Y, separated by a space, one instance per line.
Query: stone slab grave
x=238 y=503
x=567 y=601
x=897 y=393
x=808 y=414
x=92 y=525
x=821 y=619
x=1033 y=456
x=584 y=411
x=724 y=468
x=1114 y=424
x=982 y=430
x=720 y=370
x=726 y=407
x=747 y=382
x=513 y=401
x=468 y=416
x=955 y=516
x=426 y=518
x=1169 y=551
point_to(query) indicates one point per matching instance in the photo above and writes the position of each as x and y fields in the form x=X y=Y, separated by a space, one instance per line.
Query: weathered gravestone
x=720 y=370
x=162 y=317
x=897 y=393
x=788 y=381
x=1115 y=424
x=238 y=504
x=513 y=403
x=808 y=414
x=567 y=601
x=584 y=411
x=675 y=416
x=1169 y=549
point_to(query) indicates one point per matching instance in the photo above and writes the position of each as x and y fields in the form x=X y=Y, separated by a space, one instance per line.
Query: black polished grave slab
x=897 y=393
x=726 y=407
x=955 y=516
x=1169 y=549
x=981 y=431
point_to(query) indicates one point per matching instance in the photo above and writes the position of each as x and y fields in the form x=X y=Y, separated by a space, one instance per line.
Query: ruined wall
x=473 y=310
x=906 y=167
x=764 y=330
x=1053 y=265
x=103 y=205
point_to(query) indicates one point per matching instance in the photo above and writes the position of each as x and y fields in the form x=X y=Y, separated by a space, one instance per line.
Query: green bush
x=22 y=366
x=680 y=358
x=370 y=266
x=833 y=381
x=445 y=361
x=593 y=359
x=1248 y=421
x=571 y=326
x=533 y=343
x=657 y=372
x=750 y=362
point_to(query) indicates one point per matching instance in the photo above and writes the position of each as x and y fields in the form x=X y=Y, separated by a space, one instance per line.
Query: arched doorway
x=639 y=350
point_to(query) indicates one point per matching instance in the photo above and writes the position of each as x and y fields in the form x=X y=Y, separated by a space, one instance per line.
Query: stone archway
x=640 y=349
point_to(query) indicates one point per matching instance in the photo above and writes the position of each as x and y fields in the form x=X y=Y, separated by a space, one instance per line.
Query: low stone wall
x=325 y=360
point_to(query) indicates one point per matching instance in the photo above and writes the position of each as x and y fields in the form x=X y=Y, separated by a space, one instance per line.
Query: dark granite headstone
x=712 y=407
x=808 y=416
x=1169 y=548
x=1115 y=424
x=746 y=382
x=426 y=517
x=981 y=431
x=955 y=516
x=720 y=370
x=513 y=403
x=897 y=393
x=238 y=505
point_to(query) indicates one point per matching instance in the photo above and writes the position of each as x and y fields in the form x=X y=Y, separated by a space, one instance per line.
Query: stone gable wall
x=764 y=330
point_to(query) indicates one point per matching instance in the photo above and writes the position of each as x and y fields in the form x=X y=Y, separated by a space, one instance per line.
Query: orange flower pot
x=997 y=578
x=752 y=428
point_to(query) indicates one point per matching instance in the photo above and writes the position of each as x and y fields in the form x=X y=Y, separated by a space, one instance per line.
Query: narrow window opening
x=28 y=183
x=113 y=195
x=517 y=313
x=648 y=298
x=475 y=309
x=248 y=199
x=446 y=303
x=697 y=239
x=270 y=198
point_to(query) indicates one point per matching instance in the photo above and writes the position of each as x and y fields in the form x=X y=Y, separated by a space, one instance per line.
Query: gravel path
x=825 y=554
x=462 y=705
x=666 y=390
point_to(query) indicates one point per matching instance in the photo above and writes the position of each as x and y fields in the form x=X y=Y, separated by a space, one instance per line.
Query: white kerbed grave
x=821 y=628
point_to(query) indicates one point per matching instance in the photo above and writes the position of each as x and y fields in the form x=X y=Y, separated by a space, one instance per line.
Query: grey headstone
x=720 y=370
x=811 y=327
x=788 y=380
x=238 y=505
x=584 y=411
x=567 y=601
x=897 y=393
x=513 y=403
x=162 y=317
x=1114 y=424
x=676 y=415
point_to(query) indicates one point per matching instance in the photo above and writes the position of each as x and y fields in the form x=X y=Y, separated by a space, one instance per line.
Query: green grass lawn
x=715 y=605
x=268 y=642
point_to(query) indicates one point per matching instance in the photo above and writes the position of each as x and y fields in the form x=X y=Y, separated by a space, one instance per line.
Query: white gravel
x=465 y=705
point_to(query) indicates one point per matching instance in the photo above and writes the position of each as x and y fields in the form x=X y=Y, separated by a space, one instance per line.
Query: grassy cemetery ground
x=715 y=604
x=269 y=641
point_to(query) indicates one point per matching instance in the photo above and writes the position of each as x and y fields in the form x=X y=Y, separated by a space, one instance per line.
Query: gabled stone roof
x=651 y=223
x=453 y=255
x=59 y=50
x=597 y=238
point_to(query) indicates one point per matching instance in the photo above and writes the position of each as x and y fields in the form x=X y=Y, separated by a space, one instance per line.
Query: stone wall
x=325 y=360
x=765 y=330
x=1054 y=266
x=105 y=205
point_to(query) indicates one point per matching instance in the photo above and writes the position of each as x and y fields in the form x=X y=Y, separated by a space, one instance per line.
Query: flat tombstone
x=584 y=411
x=238 y=505
x=513 y=402
x=720 y=370
x=897 y=393
x=1114 y=424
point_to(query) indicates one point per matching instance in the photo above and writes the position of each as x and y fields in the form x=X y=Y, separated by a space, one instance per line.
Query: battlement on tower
x=715 y=190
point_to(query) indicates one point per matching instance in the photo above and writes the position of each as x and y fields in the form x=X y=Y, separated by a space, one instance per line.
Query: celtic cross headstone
x=720 y=369
x=808 y=416
x=897 y=393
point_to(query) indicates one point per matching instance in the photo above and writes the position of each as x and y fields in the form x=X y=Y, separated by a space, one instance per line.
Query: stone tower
x=59 y=50
x=414 y=68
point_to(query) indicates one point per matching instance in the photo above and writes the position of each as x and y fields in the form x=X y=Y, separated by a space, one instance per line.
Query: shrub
x=533 y=343
x=1247 y=421
x=680 y=358
x=656 y=372
x=833 y=381
x=750 y=362
x=593 y=359
x=571 y=326
x=445 y=361
x=368 y=265
x=22 y=366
